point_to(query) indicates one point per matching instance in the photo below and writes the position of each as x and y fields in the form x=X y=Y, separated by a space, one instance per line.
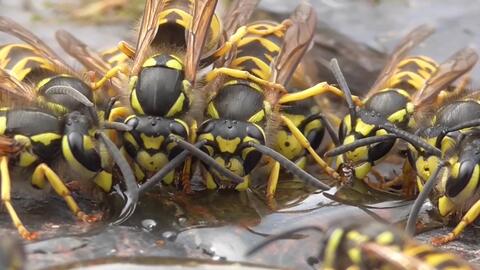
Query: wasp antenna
x=330 y=129
x=289 y=166
x=282 y=235
x=358 y=143
x=195 y=151
x=117 y=126
x=466 y=124
x=128 y=176
x=417 y=205
x=170 y=166
x=412 y=139
x=337 y=72
x=69 y=91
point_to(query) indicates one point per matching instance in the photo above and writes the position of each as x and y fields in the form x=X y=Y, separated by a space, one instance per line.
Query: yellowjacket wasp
x=152 y=141
x=373 y=245
x=245 y=96
x=49 y=117
x=406 y=87
x=454 y=130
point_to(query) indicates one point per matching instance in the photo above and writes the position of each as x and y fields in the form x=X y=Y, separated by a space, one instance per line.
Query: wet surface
x=222 y=226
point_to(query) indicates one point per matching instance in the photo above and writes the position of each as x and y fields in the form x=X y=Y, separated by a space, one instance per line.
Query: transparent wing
x=11 y=27
x=410 y=41
x=297 y=41
x=202 y=17
x=449 y=71
x=148 y=31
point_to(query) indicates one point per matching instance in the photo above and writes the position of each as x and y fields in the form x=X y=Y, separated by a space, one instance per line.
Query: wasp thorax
x=58 y=90
x=160 y=88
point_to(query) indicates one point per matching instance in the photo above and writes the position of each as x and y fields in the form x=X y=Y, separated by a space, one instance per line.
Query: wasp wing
x=415 y=37
x=203 y=12
x=146 y=34
x=9 y=146
x=449 y=71
x=297 y=41
x=238 y=15
x=11 y=27
x=387 y=256
x=12 y=89
x=80 y=51
x=91 y=60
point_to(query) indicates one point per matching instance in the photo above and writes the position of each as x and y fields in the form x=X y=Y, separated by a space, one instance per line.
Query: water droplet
x=148 y=224
x=182 y=221
x=219 y=258
x=170 y=236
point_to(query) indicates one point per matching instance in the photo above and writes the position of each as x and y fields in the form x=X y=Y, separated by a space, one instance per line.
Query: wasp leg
x=233 y=40
x=445 y=96
x=99 y=7
x=306 y=144
x=6 y=199
x=315 y=90
x=273 y=180
x=282 y=27
x=109 y=75
x=245 y=75
x=43 y=173
x=126 y=49
x=472 y=214
x=187 y=167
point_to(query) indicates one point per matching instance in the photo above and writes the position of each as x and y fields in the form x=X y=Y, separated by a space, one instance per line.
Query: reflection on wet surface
x=222 y=226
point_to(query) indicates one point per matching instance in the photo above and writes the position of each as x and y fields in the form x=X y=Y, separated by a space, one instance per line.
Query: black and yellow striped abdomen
x=255 y=53
x=344 y=249
x=24 y=63
x=39 y=132
x=412 y=73
x=175 y=18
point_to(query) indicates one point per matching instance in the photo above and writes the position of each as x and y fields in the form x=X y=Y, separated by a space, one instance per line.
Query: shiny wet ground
x=221 y=226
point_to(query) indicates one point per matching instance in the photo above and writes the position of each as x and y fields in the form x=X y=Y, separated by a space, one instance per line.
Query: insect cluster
x=220 y=97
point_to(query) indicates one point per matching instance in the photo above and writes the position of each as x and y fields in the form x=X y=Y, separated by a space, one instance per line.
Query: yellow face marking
x=233 y=165
x=362 y=170
x=469 y=190
x=151 y=163
x=445 y=206
x=227 y=146
x=152 y=142
x=104 y=181
x=88 y=143
x=294 y=148
x=244 y=185
x=45 y=138
x=363 y=128
x=73 y=162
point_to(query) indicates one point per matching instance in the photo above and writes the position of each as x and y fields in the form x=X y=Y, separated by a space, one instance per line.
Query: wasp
x=451 y=179
x=245 y=96
x=404 y=91
x=50 y=118
x=161 y=76
x=373 y=245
